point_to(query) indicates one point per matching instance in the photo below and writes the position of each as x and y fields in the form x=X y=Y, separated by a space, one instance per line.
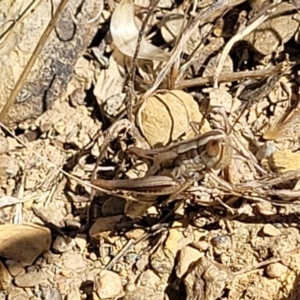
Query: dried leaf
x=110 y=81
x=173 y=25
x=9 y=200
x=125 y=34
x=284 y=161
x=155 y=122
x=284 y=127
x=165 y=117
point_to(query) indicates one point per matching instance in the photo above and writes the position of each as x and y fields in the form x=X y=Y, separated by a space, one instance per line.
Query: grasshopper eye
x=213 y=148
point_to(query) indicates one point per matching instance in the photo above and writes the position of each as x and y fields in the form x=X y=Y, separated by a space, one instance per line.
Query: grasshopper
x=186 y=160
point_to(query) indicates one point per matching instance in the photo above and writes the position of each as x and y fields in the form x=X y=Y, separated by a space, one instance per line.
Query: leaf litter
x=162 y=72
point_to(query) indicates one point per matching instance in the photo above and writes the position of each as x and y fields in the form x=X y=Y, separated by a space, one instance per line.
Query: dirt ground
x=88 y=211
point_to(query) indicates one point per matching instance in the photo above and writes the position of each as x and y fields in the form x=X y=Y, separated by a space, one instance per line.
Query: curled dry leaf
x=284 y=127
x=172 y=25
x=284 y=161
x=110 y=81
x=125 y=34
x=165 y=117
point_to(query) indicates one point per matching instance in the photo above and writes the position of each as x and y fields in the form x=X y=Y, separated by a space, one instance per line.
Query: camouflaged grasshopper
x=186 y=160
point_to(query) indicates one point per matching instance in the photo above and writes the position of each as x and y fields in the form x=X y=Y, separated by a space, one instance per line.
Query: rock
x=276 y=270
x=5 y=278
x=74 y=261
x=143 y=293
x=4 y=147
x=274 y=32
x=8 y=167
x=166 y=116
x=72 y=224
x=271 y=230
x=104 y=227
x=54 y=215
x=93 y=256
x=53 y=69
x=187 y=255
x=24 y=243
x=134 y=233
x=15 y=268
x=201 y=245
x=74 y=295
x=29 y=279
x=162 y=261
x=18 y=294
x=51 y=293
x=177 y=239
x=62 y=244
x=149 y=279
x=81 y=241
x=108 y=285
x=209 y=274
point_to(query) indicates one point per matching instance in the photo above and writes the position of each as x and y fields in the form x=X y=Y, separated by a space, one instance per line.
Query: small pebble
x=3 y=145
x=31 y=269
x=221 y=241
x=278 y=225
x=123 y=273
x=74 y=261
x=201 y=245
x=5 y=278
x=74 y=295
x=29 y=279
x=17 y=294
x=50 y=293
x=66 y=273
x=81 y=241
x=97 y=264
x=93 y=256
x=72 y=224
x=135 y=233
x=130 y=287
x=186 y=257
x=200 y=222
x=77 y=97
x=271 y=230
x=266 y=209
x=276 y=270
x=15 y=268
x=106 y=260
x=108 y=285
x=62 y=244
